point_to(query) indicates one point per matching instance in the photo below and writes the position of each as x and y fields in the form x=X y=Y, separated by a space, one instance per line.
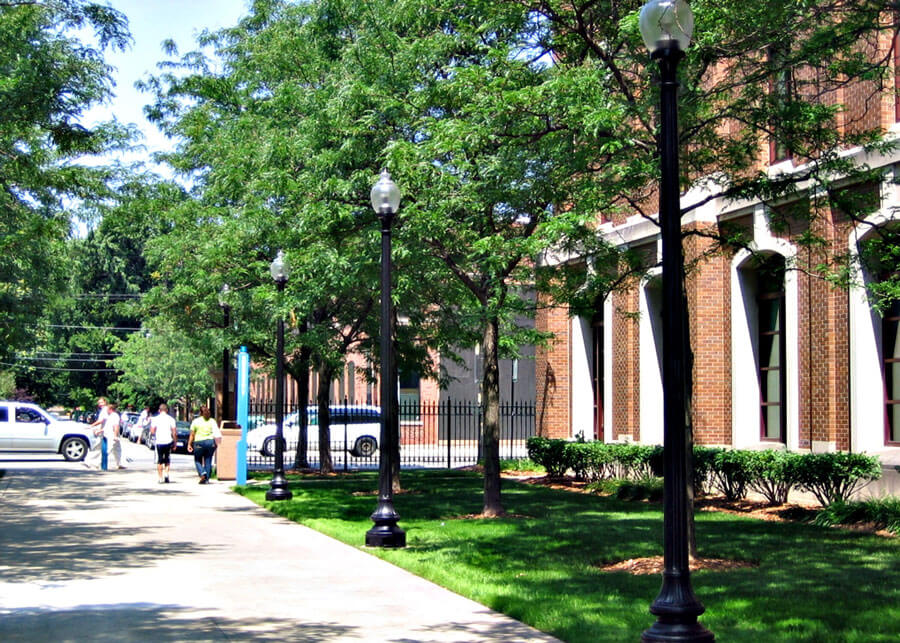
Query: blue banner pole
x=242 y=392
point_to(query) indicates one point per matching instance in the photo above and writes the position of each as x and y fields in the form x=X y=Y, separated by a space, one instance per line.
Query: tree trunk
x=490 y=434
x=326 y=376
x=302 y=375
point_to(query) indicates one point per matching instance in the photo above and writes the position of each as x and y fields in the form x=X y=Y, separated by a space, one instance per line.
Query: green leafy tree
x=163 y=364
x=50 y=78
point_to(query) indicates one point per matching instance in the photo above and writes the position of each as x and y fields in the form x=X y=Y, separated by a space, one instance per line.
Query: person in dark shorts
x=164 y=434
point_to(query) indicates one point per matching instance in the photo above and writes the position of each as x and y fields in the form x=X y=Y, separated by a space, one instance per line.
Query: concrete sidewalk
x=114 y=556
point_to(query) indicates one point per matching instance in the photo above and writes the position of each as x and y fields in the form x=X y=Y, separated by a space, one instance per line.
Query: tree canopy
x=50 y=78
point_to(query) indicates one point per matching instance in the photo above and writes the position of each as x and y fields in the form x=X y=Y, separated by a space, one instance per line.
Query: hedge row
x=830 y=477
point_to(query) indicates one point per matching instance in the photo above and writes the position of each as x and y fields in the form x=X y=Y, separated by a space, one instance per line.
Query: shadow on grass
x=812 y=584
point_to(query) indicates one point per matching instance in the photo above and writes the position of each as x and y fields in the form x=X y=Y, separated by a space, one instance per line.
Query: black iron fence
x=439 y=434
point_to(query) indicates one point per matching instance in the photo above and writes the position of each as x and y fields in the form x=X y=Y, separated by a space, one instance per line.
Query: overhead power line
x=72 y=326
x=110 y=295
x=75 y=355
x=68 y=370
x=63 y=359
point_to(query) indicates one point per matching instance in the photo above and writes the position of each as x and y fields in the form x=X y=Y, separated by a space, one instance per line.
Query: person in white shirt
x=143 y=422
x=95 y=455
x=162 y=428
x=112 y=428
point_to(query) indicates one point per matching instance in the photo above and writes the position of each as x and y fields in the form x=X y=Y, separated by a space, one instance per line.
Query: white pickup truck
x=27 y=427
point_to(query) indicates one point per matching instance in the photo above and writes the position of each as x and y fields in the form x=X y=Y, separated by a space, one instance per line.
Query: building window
x=891 y=333
x=781 y=88
x=409 y=396
x=770 y=303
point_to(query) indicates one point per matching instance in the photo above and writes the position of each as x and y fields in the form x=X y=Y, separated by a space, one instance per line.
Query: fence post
x=346 y=422
x=479 y=431
x=449 y=433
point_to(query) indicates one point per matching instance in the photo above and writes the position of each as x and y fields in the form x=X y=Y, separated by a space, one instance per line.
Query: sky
x=150 y=23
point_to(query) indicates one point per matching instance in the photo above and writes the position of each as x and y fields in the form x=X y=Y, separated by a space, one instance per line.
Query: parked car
x=362 y=425
x=27 y=427
x=183 y=431
x=129 y=423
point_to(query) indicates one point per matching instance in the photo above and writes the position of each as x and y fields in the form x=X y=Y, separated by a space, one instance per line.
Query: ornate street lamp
x=666 y=26
x=278 y=486
x=226 y=352
x=385 y=200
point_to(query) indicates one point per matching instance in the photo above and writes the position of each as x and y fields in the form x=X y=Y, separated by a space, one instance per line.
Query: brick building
x=780 y=355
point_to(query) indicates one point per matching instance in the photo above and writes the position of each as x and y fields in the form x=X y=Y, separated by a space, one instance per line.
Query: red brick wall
x=626 y=366
x=708 y=288
x=553 y=374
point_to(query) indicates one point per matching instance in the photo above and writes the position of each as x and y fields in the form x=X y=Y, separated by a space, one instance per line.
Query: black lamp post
x=666 y=27
x=278 y=486
x=226 y=352
x=386 y=199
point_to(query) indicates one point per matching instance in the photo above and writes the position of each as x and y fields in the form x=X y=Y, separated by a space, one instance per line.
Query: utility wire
x=76 y=354
x=67 y=370
x=111 y=295
x=71 y=326
x=63 y=359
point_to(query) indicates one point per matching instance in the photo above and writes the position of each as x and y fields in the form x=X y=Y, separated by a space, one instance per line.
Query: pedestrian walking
x=112 y=431
x=205 y=435
x=143 y=422
x=163 y=431
x=95 y=455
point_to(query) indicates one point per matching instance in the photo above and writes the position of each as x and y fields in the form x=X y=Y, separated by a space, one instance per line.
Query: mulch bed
x=654 y=565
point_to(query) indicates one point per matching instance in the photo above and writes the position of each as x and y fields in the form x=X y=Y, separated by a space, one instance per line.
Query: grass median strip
x=543 y=564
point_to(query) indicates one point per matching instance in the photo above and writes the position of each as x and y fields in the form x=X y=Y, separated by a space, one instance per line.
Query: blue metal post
x=242 y=391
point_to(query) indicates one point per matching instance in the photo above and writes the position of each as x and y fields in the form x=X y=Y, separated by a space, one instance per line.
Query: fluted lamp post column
x=666 y=27
x=226 y=352
x=278 y=490
x=386 y=200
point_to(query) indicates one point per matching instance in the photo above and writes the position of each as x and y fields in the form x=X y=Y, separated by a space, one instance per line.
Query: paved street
x=114 y=556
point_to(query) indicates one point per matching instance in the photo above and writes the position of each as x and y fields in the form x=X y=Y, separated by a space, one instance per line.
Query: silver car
x=27 y=427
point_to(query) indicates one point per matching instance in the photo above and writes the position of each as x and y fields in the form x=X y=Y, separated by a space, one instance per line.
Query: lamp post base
x=278 y=490
x=385 y=533
x=386 y=536
x=667 y=630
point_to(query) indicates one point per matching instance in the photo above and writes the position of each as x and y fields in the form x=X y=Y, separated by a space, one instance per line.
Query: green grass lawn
x=541 y=567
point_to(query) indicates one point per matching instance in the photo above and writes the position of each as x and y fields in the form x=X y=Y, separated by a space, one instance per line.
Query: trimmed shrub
x=833 y=477
x=773 y=474
x=703 y=464
x=601 y=461
x=731 y=472
x=633 y=460
x=553 y=455
x=578 y=455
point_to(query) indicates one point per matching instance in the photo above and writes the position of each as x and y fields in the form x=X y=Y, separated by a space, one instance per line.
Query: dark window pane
x=893 y=413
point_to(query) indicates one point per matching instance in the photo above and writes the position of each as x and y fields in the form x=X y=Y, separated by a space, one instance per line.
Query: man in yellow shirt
x=203 y=440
